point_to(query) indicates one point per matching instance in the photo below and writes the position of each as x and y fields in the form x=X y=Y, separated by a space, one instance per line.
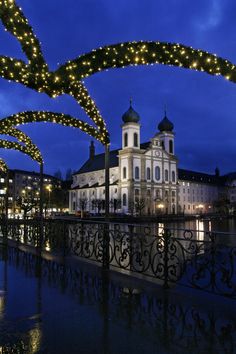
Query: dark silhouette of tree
x=69 y=174
x=58 y=174
x=26 y=204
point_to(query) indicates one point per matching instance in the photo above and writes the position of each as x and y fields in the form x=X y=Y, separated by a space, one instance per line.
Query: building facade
x=144 y=177
x=26 y=185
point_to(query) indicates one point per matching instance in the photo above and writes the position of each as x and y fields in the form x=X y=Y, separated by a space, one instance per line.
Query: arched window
x=136 y=192
x=173 y=176
x=166 y=176
x=135 y=139
x=157 y=173
x=125 y=139
x=148 y=173
x=124 y=199
x=124 y=173
x=171 y=147
x=136 y=172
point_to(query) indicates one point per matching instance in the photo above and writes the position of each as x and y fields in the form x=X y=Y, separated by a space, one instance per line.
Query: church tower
x=131 y=129
x=166 y=135
x=129 y=158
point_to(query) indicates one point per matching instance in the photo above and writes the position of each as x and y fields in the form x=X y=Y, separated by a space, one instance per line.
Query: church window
x=148 y=173
x=136 y=192
x=173 y=176
x=125 y=139
x=135 y=139
x=136 y=172
x=124 y=173
x=157 y=173
x=166 y=176
x=171 y=147
x=124 y=199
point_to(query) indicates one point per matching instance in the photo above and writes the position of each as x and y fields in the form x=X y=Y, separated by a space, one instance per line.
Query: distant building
x=26 y=184
x=145 y=175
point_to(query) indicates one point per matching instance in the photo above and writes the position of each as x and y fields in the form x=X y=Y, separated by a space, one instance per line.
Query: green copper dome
x=131 y=116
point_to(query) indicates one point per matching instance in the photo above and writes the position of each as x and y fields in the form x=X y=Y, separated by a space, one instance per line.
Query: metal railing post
x=106 y=241
x=166 y=240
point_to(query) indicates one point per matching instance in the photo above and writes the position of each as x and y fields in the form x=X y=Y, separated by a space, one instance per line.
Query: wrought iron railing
x=173 y=257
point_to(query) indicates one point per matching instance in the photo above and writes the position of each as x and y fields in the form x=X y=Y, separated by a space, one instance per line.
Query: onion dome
x=131 y=116
x=165 y=125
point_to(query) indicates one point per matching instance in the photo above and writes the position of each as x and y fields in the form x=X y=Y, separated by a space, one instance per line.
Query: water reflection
x=94 y=314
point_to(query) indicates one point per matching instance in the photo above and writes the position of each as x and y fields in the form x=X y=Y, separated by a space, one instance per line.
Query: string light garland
x=35 y=74
x=3 y=166
x=22 y=137
x=15 y=22
x=6 y=144
x=146 y=53
x=49 y=117
x=67 y=79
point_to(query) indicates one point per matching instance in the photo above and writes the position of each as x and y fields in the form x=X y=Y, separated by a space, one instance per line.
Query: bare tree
x=98 y=203
x=26 y=204
x=115 y=204
x=82 y=205
x=58 y=174
x=139 y=205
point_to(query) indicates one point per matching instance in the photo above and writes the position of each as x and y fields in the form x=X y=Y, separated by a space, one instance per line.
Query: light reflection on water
x=77 y=312
x=224 y=228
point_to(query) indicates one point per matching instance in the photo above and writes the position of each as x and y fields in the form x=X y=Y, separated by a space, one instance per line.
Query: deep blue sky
x=202 y=108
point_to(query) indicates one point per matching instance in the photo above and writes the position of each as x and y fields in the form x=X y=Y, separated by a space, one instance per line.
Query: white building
x=144 y=177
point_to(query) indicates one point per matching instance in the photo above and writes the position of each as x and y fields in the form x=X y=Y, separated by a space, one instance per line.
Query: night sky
x=202 y=107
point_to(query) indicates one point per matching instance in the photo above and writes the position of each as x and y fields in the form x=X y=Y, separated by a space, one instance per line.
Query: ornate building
x=144 y=177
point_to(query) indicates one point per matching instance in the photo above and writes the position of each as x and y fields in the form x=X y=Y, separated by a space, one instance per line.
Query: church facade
x=144 y=177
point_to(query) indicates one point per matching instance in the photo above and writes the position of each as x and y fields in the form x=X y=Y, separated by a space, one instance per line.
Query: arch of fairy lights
x=23 y=138
x=6 y=129
x=6 y=144
x=44 y=116
x=67 y=78
x=3 y=166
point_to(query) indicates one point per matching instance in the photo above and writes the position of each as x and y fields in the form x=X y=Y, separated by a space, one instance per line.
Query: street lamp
x=49 y=188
